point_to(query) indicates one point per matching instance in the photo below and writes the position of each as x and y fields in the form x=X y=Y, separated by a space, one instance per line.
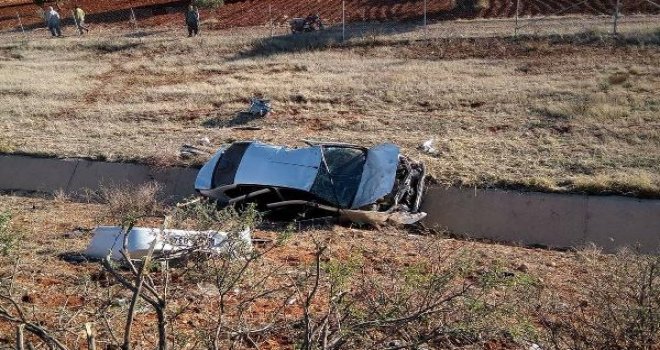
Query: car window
x=339 y=185
x=225 y=171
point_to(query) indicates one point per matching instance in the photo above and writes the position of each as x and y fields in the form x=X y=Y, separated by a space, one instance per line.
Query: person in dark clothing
x=53 y=20
x=192 y=21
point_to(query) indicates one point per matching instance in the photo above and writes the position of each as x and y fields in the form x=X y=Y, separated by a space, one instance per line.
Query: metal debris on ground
x=189 y=151
x=166 y=243
x=427 y=147
x=259 y=107
x=363 y=185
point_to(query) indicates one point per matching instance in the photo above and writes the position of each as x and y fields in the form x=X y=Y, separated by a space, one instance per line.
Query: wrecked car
x=364 y=185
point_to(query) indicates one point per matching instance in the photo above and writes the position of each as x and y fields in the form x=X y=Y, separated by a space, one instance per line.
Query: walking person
x=192 y=21
x=53 y=20
x=79 y=16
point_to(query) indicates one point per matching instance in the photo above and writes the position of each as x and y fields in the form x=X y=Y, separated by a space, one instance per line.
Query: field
x=576 y=111
x=563 y=107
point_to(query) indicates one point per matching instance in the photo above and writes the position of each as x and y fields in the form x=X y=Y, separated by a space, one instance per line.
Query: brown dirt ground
x=55 y=290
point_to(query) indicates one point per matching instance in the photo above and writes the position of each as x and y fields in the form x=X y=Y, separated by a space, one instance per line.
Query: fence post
x=20 y=23
x=515 y=30
x=616 y=18
x=270 y=17
x=133 y=19
x=343 y=20
x=425 y=14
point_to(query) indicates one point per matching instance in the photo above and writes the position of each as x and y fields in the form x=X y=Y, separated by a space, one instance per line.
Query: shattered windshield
x=339 y=182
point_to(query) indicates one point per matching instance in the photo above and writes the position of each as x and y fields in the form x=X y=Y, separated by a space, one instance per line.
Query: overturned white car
x=365 y=185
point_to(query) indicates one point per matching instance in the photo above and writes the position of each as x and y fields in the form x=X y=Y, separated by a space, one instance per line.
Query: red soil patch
x=256 y=12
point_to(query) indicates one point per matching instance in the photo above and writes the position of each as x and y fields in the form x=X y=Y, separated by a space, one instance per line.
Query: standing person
x=192 y=21
x=79 y=15
x=53 y=19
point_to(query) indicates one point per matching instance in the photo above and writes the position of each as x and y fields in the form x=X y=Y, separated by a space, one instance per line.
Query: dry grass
x=540 y=113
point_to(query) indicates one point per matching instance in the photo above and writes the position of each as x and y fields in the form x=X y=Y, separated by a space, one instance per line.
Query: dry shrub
x=164 y=157
x=60 y=196
x=203 y=215
x=608 y=111
x=9 y=239
x=130 y=203
x=639 y=184
x=560 y=110
x=620 y=308
x=482 y=4
x=208 y=3
x=438 y=302
x=595 y=106
x=618 y=78
x=5 y=146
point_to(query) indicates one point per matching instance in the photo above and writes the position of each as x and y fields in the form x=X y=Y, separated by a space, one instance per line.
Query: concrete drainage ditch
x=72 y=175
x=551 y=220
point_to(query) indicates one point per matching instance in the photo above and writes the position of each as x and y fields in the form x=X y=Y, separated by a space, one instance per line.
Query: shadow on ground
x=144 y=34
x=240 y=119
x=332 y=36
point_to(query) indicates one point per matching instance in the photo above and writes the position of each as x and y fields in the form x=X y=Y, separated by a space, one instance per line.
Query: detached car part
x=341 y=179
x=167 y=243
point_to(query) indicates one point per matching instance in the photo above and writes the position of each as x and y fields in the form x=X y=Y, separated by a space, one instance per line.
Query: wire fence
x=349 y=19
